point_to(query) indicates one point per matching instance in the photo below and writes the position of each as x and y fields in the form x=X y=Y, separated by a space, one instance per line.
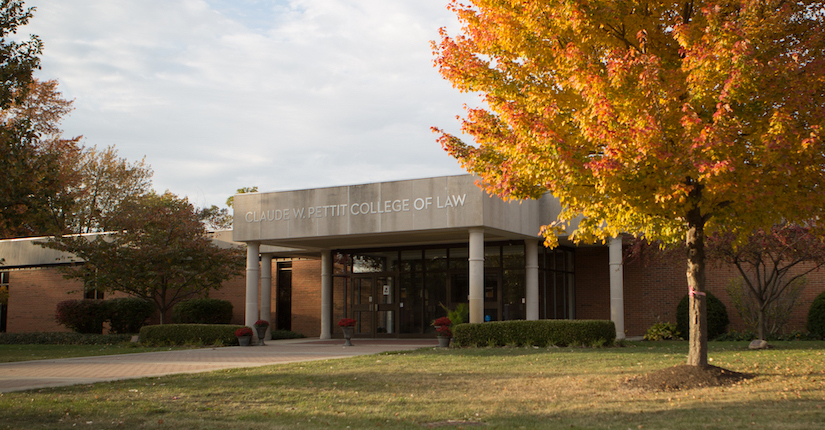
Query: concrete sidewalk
x=27 y=375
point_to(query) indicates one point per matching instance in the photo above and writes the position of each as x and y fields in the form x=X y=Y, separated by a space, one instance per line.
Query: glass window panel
x=339 y=301
x=385 y=322
x=411 y=261
x=561 y=297
x=569 y=257
x=363 y=323
x=411 y=303
x=513 y=294
x=435 y=294
x=370 y=262
x=386 y=291
x=459 y=258
x=340 y=263
x=571 y=293
x=492 y=256
x=436 y=259
x=513 y=256
x=559 y=256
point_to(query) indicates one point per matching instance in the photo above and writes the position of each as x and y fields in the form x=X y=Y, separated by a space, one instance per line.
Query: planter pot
x=348 y=331
x=244 y=340
x=444 y=341
x=261 y=334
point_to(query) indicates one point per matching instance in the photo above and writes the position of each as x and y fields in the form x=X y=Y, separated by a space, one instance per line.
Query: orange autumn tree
x=665 y=120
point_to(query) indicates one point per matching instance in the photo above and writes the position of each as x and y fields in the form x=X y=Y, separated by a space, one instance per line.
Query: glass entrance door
x=374 y=305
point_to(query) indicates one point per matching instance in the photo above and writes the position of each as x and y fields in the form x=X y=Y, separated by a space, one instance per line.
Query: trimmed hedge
x=540 y=333
x=203 y=311
x=717 y=317
x=816 y=317
x=128 y=314
x=62 y=338
x=187 y=334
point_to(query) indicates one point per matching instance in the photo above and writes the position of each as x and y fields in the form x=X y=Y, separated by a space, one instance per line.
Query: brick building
x=390 y=254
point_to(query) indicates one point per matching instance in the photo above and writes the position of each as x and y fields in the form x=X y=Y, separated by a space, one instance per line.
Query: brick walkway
x=27 y=375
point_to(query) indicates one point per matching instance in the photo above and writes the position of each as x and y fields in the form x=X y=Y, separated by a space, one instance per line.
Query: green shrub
x=82 y=316
x=128 y=314
x=662 y=331
x=816 y=317
x=535 y=333
x=717 y=317
x=203 y=311
x=61 y=338
x=189 y=334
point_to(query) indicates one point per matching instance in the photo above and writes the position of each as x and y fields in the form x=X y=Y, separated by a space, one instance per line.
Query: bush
x=128 y=314
x=82 y=316
x=203 y=311
x=662 y=331
x=62 y=338
x=816 y=317
x=535 y=333
x=189 y=334
x=717 y=317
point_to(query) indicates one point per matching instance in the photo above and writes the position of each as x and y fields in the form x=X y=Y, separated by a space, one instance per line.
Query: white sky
x=282 y=94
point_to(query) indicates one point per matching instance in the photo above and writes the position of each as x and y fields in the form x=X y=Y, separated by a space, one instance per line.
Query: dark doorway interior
x=283 y=301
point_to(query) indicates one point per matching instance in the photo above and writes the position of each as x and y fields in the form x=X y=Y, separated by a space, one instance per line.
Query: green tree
x=105 y=182
x=662 y=120
x=157 y=250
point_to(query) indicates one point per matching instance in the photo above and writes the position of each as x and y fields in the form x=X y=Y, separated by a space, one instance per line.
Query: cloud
x=280 y=94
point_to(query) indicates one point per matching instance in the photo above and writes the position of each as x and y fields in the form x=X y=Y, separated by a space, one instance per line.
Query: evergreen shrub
x=82 y=316
x=540 y=333
x=189 y=334
x=203 y=311
x=816 y=317
x=662 y=331
x=717 y=317
x=128 y=314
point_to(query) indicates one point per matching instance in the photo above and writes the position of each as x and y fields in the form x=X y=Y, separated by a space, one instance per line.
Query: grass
x=9 y=353
x=501 y=388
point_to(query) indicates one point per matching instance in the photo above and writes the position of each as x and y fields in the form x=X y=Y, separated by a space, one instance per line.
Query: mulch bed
x=685 y=377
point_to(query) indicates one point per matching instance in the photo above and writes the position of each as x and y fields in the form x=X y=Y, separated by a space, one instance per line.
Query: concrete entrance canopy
x=412 y=212
x=441 y=210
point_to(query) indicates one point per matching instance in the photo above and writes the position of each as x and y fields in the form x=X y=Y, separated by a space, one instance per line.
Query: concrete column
x=531 y=269
x=617 y=286
x=252 y=279
x=266 y=292
x=326 y=294
x=476 y=275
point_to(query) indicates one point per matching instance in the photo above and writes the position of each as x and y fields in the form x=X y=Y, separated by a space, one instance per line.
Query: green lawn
x=502 y=388
x=9 y=353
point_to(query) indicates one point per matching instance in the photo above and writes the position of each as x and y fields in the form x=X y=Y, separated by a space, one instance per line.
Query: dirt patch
x=685 y=377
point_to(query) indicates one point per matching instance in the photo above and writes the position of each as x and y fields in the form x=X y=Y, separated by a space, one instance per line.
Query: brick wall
x=653 y=290
x=233 y=290
x=306 y=297
x=33 y=298
x=592 y=283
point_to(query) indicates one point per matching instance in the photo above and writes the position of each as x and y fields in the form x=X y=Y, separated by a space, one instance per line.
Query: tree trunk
x=761 y=323
x=698 y=348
